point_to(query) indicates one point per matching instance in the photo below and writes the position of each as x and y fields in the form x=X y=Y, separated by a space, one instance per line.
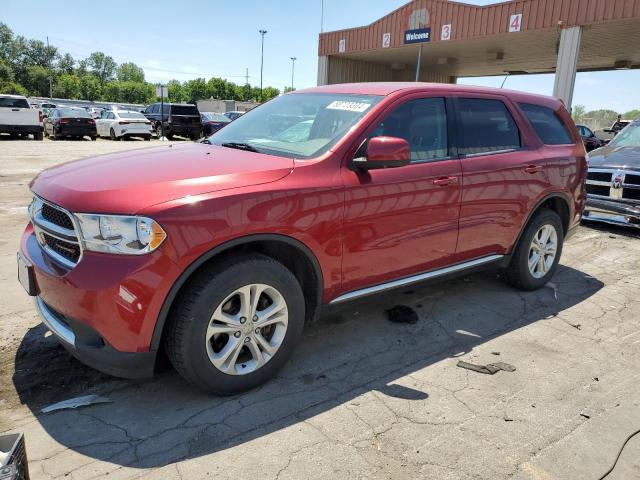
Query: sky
x=189 y=39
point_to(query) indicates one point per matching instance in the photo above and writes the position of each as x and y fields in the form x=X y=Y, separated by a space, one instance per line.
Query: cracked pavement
x=361 y=397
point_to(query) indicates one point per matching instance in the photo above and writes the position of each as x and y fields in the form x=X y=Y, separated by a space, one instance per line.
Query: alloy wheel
x=247 y=329
x=543 y=250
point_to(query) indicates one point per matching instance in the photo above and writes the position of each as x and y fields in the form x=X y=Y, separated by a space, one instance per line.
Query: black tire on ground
x=185 y=335
x=112 y=134
x=38 y=136
x=147 y=138
x=517 y=273
x=54 y=135
x=158 y=131
x=94 y=138
x=169 y=136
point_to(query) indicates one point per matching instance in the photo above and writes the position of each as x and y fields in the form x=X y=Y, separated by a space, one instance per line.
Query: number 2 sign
x=515 y=23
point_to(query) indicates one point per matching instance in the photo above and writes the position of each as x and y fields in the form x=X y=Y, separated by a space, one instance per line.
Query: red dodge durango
x=217 y=253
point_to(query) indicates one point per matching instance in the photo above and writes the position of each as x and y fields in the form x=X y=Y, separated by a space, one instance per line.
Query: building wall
x=470 y=21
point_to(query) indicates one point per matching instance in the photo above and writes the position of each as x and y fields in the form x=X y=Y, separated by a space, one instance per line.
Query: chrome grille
x=55 y=231
x=614 y=184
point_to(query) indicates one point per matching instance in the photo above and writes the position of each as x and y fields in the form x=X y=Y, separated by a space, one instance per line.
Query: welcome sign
x=417 y=35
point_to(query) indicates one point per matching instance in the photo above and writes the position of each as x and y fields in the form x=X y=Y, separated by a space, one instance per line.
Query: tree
x=176 y=91
x=102 y=66
x=577 y=112
x=38 y=53
x=130 y=72
x=6 y=39
x=12 y=88
x=196 y=90
x=136 y=92
x=90 y=88
x=67 y=86
x=269 y=92
x=632 y=115
x=37 y=81
x=66 y=63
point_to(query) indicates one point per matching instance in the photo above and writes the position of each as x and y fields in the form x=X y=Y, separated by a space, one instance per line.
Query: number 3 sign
x=446 y=32
x=515 y=23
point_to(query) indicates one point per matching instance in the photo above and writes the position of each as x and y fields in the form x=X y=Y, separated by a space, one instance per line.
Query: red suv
x=217 y=253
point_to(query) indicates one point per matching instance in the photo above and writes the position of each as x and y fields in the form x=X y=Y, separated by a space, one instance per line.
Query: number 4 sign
x=515 y=23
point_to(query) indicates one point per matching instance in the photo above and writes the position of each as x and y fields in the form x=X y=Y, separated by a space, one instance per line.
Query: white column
x=567 y=64
x=323 y=70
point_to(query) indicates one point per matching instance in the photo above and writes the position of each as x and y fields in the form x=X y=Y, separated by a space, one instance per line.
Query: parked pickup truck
x=17 y=118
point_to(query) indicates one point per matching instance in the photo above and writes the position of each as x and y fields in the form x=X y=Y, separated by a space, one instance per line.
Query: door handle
x=533 y=169
x=444 y=181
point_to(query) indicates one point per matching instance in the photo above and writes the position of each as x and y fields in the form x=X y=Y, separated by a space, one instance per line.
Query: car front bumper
x=616 y=213
x=104 y=310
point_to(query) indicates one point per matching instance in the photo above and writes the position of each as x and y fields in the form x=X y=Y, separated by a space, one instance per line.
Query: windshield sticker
x=348 y=106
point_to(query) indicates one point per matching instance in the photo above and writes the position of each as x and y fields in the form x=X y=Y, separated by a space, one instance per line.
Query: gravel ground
x=362 y=397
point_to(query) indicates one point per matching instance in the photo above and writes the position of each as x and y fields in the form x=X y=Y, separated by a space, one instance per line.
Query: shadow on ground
x=347 y=353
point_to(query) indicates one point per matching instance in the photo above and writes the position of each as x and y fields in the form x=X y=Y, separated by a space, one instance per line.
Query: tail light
x=40 y=115
x=123 y=123
x=92 y=121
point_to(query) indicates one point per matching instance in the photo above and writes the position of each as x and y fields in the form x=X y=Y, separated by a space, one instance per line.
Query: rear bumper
x=616 y=213
x=88 y=131
x=188 y=130
x=20 y=128
x=87 y=346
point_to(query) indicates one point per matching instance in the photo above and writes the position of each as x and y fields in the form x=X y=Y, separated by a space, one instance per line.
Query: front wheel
x=535 y=258
x=236 y=324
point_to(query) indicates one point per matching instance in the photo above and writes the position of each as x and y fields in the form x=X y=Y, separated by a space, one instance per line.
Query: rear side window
x=547 y=125
x=486 y=126
x=9 y=102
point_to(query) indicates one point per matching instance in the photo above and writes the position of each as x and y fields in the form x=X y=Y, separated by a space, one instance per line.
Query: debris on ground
x=584 y=415
x=402 y=314
x=554 y=287
x=495 y=353
x=489 y=369
x=75 y=403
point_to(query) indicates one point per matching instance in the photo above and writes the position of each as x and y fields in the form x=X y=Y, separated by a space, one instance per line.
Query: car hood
x=130 y=181
x=615 y=157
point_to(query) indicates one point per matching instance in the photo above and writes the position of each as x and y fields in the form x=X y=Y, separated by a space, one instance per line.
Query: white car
x=121 y=124
x=18 y=119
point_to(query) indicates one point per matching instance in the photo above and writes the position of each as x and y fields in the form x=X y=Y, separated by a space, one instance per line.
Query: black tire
x=94 y=138
x=184 y=336
x=158 y=131
x=112 y=134
x=147 y=138
x=54 y=135
x=517 y=273
x=169 y=136
x=38 y=136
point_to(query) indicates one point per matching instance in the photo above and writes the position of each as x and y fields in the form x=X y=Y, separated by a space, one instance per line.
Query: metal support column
x=419 y=64
x=567 y=64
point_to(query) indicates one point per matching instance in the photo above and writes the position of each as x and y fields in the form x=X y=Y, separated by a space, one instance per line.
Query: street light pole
x=293 y=66
x=263 y=33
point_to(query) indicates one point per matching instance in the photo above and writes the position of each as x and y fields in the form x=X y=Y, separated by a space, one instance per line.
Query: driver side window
x=423 y=124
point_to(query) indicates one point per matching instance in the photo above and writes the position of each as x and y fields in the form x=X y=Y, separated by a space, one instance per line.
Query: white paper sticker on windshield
x=348 y=106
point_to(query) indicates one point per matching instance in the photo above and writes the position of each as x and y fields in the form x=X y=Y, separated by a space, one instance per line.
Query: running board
x=416 y=278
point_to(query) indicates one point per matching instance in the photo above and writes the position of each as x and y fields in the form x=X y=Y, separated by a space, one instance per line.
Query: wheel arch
x=294 y=254
x=557 y=202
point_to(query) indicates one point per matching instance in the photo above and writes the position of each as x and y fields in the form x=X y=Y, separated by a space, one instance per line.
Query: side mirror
x=384 y=152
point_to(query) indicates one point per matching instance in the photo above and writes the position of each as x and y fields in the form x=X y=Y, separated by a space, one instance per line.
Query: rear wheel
x=537 y=254
x=37 y=136
x=236 y=324
x=112 y=134
x=158 y=131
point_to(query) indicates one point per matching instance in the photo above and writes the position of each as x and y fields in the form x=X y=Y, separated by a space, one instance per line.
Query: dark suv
x=179 y=119
x=217 y=253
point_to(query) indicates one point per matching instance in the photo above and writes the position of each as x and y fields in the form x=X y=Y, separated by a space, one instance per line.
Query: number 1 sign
x=515 y=23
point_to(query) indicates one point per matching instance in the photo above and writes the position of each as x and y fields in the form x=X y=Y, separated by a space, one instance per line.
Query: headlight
x=120 y=234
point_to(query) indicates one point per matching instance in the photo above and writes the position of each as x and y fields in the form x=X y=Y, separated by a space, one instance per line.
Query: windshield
x=628 y=137
x=299 y=125
x=215 y=117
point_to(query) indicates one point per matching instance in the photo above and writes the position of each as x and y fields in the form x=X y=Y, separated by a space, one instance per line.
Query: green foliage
x=577 y=112
x=26 y=67
x=632 y=115
x=292 y=89
x=130 y=72
x=67 y=86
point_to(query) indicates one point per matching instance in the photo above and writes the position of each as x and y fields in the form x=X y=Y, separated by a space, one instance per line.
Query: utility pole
x=49 y=63
x=263 y=33
x=321 y=16
x=293 y=66
x=246 y=76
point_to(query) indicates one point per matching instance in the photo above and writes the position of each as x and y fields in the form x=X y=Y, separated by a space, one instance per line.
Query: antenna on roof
x=505 y=80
